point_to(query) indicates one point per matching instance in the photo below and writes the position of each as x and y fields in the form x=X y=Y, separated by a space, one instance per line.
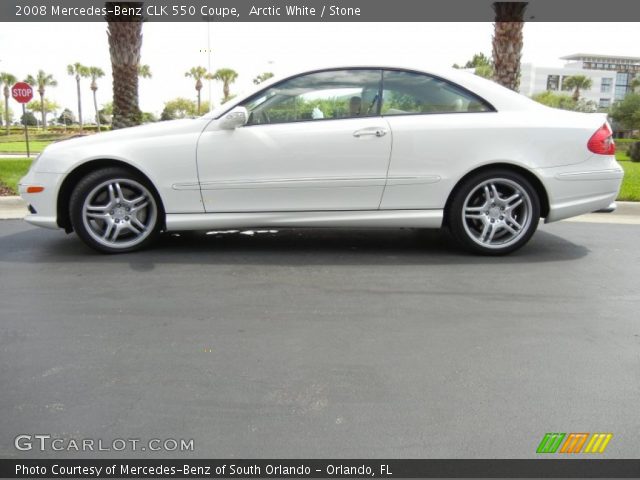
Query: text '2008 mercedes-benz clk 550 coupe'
x=365 y=146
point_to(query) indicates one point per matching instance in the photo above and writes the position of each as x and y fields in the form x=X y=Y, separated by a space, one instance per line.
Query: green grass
x=15 y=143
x=630 y=190
x=11 y=171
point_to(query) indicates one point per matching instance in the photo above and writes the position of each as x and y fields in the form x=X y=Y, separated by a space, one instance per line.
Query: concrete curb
x=12 y=208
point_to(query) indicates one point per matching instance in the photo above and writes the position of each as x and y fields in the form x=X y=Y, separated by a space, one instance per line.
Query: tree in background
x=29 y=119
x=198 y=74
x=507 y=43
x=78 y=71
x=95 y=73
x=148 y=117
x=635 y=83
x=227 y=76
x=564 y=102
x=263 y=77
x=125 y=43
x=482 y=65
x=2 y=115
x=45 y=107
x=106 y=113
x=144 y=71
x=42 y=80
x=182 y=108
x=7 y=80
x=577 y=83
x=66 y=117
x=627 y=111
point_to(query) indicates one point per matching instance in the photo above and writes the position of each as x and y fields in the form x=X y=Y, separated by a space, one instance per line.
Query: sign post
x=23 y=93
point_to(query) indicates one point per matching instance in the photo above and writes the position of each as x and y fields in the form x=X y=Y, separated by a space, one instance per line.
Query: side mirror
x=234 y=119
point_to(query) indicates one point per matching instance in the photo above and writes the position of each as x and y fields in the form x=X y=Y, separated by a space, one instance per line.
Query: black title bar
x=229 y=468
x=316 y=11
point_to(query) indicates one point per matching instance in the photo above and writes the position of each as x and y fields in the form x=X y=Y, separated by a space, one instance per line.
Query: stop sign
x=22 y=92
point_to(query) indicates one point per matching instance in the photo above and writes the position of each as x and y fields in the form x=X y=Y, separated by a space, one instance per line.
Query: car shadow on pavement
x=286 y=247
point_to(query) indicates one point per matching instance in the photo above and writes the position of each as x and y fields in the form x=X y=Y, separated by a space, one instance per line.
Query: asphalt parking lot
x=322 y=343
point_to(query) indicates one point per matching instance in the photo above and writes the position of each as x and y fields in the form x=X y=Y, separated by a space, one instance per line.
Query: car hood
x=147 y=131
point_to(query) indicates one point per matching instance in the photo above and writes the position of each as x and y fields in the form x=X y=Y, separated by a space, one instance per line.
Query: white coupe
x=366 y=146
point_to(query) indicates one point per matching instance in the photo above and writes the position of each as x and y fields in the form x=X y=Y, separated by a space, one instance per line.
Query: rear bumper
x=610 y=209
x=583 y=188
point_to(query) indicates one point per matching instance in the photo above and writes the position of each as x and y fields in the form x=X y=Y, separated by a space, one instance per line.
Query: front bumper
x=43 y=203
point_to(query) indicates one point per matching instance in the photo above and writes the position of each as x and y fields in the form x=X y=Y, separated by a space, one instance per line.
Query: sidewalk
x=18 y=155
x=626 y=213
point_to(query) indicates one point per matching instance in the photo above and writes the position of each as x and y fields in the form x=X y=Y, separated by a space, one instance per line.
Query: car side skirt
x=363 y=219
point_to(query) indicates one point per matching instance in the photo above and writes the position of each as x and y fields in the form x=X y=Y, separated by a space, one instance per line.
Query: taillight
x=602 y=142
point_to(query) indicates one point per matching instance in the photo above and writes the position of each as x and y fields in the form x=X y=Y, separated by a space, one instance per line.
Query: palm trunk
x=125 y=42
x=507 y=43
x=6 y=107
x=576 y=94
x=44 y=115
x=225 y=90
x=198 y=102
x=95 y=105
x=79 y=102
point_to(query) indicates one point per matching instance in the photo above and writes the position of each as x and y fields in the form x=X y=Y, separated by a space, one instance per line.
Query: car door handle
x=377 y=131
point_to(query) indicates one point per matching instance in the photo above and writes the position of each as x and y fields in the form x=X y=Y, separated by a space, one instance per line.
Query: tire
x=494 y=212
x=114 y=210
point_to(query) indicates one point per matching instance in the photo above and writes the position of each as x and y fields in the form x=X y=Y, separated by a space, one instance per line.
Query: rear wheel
x=114 y=210
x=494 y=213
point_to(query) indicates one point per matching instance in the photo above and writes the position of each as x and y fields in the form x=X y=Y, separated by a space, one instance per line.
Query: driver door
x=313 y=142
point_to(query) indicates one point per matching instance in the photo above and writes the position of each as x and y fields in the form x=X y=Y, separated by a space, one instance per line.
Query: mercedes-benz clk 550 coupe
x=365 y=146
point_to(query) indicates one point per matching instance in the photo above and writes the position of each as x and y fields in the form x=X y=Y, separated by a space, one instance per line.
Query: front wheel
x=494 y=213
x=114 y=210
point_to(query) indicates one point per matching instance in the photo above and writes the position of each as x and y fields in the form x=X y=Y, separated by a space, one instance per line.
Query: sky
x=251 y=48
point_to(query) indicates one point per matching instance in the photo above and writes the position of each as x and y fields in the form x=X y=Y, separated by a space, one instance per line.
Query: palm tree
x=227 y=76
x=42 y=80
x=79 y=71
x=263 y=77
x=577 y=83
x=7 y=80
x=95 y=73
x=48 y=105
x=507 y=42
x=125 y=42
x=198 y=73
x=144 y=71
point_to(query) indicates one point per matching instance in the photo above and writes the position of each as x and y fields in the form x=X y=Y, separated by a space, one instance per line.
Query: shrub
x=634 y=152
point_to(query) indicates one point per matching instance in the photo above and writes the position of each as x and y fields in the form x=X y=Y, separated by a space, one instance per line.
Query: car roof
x=501 y=98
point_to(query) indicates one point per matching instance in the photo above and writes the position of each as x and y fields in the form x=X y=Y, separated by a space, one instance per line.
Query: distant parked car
x=368 y=146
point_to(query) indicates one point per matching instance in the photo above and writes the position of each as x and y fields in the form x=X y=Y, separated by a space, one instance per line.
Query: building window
x=553 y=82
x=622 y=78
x=605 y=86
x=620 y=92
x=605 y=103
x=562 y=83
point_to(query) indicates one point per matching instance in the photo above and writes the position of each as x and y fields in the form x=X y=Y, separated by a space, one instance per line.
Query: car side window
x=414 y=93
x=315 y=96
